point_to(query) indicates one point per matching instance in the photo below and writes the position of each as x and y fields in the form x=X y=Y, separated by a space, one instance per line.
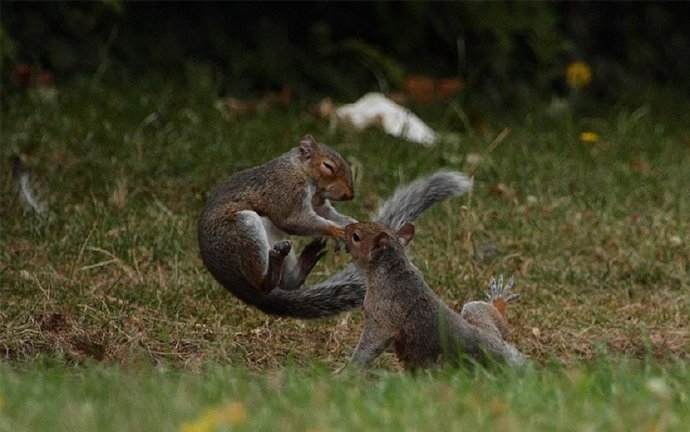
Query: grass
x=608 y=397
x=110 y=321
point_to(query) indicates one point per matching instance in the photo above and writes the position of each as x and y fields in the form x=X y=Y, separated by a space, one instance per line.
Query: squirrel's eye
x=355 y=237
x=329 y=167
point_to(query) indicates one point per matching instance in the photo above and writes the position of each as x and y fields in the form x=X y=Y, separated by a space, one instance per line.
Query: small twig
x=499 y=139
x=80 y=256
x=97 y=265
x=127 y=269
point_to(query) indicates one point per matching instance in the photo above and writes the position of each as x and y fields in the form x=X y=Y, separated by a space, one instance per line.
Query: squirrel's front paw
x=336 y=232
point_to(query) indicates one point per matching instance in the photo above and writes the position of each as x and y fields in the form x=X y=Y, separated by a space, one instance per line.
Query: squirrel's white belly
x=273 y=233
x=264 y=232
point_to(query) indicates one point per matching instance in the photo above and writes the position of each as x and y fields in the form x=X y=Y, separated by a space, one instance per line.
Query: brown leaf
x=448 y=87
x=420 y=88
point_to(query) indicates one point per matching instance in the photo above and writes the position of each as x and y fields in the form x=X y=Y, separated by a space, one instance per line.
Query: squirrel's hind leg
x=296 y=271
x=262 y=255
x=276 y=257
x=293 y=270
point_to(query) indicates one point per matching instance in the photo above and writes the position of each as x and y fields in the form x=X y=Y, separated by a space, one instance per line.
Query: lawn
x=603 y=396
x=110 y=322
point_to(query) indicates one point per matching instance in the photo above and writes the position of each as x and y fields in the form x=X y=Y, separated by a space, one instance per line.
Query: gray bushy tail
x=345 y=289
x=410 y=201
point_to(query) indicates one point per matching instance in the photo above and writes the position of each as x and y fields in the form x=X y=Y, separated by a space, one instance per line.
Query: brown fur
x=291 y=194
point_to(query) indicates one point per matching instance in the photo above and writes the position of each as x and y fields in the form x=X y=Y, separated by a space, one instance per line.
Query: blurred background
x=487 y=54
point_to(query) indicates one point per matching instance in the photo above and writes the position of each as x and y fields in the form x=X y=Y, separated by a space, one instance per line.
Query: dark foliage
x=508 y=51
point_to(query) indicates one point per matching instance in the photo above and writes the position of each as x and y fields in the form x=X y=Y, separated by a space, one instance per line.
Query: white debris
x=375 y=109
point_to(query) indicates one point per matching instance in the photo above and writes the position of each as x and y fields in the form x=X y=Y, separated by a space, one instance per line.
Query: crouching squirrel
x=244 y=224
x=401 y=311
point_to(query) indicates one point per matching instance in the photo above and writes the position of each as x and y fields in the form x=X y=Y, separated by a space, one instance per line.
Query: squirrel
x=490 y=315
x=400 y=310
x=243 y=227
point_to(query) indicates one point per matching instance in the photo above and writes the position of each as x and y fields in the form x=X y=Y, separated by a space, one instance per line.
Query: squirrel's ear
x=307 y=147
x=379 y=243
x=406 y=233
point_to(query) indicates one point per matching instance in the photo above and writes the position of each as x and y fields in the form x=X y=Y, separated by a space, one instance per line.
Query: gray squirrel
x=402 y=312
x=244 y=224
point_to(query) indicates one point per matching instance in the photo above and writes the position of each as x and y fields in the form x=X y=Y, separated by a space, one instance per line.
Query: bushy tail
x=341 y=292
x=410 y=201
x=499 y=294
x=345 y=289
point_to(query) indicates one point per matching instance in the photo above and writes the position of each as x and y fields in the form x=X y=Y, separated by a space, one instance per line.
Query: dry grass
x=597 y=235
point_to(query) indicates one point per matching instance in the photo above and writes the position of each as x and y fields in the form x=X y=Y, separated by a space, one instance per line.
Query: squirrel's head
x=369 y=242
x=330 y=172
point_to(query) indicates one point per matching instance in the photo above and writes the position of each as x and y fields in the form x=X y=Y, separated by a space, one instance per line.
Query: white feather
x=25 y=191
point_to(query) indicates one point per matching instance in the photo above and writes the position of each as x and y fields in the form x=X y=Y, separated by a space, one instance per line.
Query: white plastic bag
x=375 y=109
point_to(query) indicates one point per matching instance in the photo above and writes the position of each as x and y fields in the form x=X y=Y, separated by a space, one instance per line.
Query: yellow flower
x=578 y=74
x=589 y=137
x=198 y=426
x=232 y=414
